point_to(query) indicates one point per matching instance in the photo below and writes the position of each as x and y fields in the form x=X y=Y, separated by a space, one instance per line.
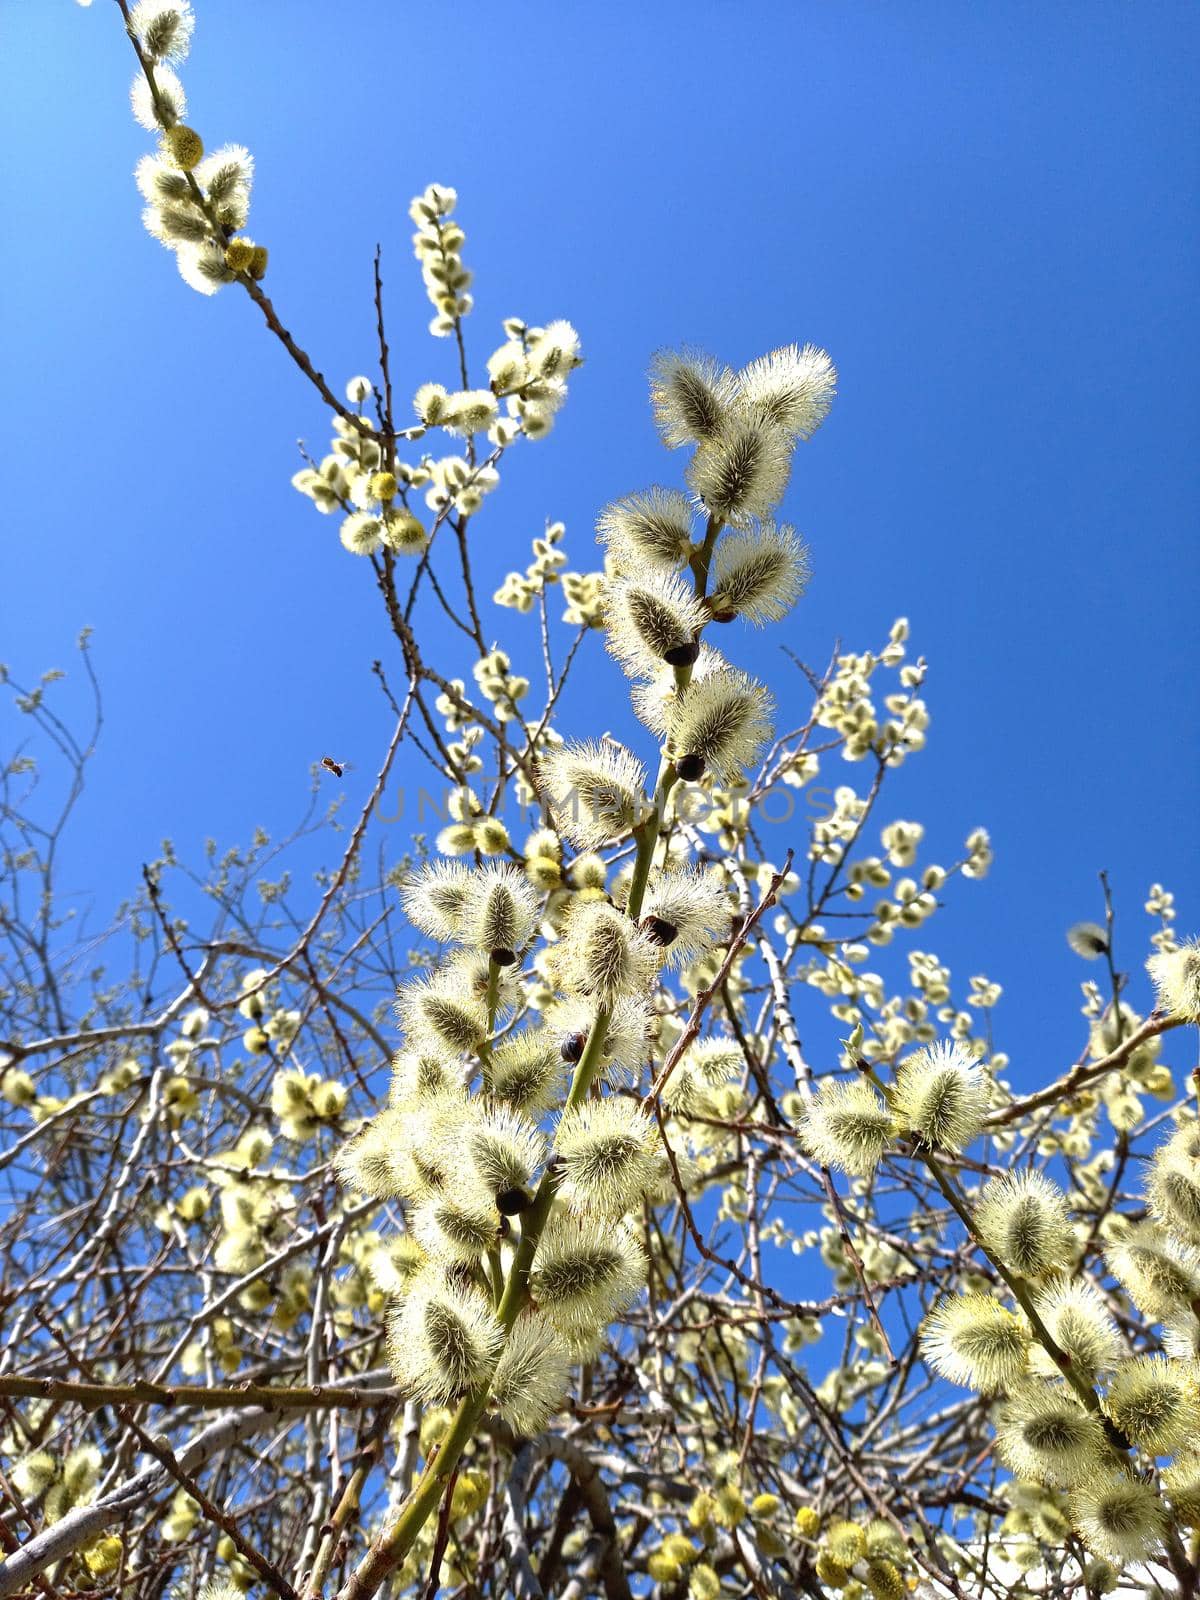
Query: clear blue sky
x=987 y=213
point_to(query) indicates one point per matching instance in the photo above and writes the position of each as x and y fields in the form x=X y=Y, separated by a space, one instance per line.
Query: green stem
x=702 y=559
x=388 y=1551
x=649 y=833
x=492 y=997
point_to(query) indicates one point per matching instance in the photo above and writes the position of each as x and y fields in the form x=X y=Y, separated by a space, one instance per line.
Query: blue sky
x=986 y=213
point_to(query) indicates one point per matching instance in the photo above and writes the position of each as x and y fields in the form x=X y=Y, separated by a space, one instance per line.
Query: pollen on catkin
x=830 y=1571
x=1176 y=976
x=1022 y=1217
x=691 y=395
x=183 y=146
x=651 y=529
x=239 y=253
x=442 y=1340
x=972 y=1340
x=719 y=725
x=608 y=1151
x=807 y=1521
x=940 y=1096
x=846 y=1126
x=595 y=792
x=846 y=1542
x=792 y=387
x=1118 y=1516
x=758 y=573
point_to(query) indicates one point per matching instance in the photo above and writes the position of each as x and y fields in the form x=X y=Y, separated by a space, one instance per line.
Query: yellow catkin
x=884 y=1580
x=662 y=1568
x=239 y=253
x=701 y=1510
x=829 y=1571
x=846 y=1543
x=183 y=146
x=730 y=1506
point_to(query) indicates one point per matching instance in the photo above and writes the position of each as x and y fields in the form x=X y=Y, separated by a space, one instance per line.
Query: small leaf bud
x=571 y=1048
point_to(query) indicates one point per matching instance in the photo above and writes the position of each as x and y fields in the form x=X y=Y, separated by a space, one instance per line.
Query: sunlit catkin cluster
x=609 y=1022
x=197 y=204
x=395 y=506
x=1096 y=1423
x=1108 y=1428
x=463 y=1143
x=681 y=563
x=519 y=1136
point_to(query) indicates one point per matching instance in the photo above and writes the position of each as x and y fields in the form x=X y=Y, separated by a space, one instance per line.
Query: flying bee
x=338 y=768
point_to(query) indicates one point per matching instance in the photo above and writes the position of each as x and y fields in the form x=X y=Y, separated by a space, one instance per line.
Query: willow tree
x=582 y=1275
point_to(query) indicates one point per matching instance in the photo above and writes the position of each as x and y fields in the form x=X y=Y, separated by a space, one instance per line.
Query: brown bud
x=659 y=931
x=683 y=655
